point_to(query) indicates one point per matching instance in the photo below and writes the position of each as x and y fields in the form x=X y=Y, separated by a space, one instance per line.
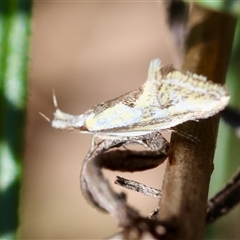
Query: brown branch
x=186 y=181
x=225 y=200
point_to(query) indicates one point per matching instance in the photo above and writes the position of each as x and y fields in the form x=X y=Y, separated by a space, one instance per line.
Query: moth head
x=65 y=121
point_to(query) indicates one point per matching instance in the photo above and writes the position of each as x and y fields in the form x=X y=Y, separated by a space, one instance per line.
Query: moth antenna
x=44 y=116
x=55 y=99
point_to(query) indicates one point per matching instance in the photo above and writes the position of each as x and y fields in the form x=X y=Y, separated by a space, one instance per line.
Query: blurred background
x=89 y=52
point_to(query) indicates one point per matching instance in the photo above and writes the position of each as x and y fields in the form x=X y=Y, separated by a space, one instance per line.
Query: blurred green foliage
x=230 y=6
x=14 y=46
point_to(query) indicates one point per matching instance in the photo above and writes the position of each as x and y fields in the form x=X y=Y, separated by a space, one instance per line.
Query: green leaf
x=14 y=46
x=230 y=6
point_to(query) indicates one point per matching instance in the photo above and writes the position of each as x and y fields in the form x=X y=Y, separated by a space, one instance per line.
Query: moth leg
x=102 y=146
x=132 y=161
x=138 y=187
x=153 y=141
x=154 y=213
x=93 y=142
x=125 y=147
x=92 y=147
x=185 y=135
x=141 y=188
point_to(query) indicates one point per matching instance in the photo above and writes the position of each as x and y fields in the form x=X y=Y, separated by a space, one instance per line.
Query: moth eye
x=83 y=128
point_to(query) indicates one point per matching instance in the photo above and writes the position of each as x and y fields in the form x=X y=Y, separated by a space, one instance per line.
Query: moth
x=169 y=97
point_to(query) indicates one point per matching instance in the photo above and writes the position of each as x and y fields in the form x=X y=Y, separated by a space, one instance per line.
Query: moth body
x=168 y=98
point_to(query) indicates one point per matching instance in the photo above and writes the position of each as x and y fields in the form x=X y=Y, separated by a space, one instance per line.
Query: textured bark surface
x=187 y=177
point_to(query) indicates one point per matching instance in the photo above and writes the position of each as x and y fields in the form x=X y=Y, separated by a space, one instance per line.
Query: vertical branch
x=228 y=151
x=14 y=46
x=186 y=181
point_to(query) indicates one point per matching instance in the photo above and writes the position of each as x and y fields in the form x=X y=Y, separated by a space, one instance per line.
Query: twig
x=188 y=172
x=219 y=205
x=97 y=190
x=232 y=117
x=224 y=200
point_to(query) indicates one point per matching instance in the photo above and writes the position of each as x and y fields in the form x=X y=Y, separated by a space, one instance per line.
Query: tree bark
x=186 y=181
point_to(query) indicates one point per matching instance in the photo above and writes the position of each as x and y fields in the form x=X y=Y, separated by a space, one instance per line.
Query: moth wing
x=168 y=98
